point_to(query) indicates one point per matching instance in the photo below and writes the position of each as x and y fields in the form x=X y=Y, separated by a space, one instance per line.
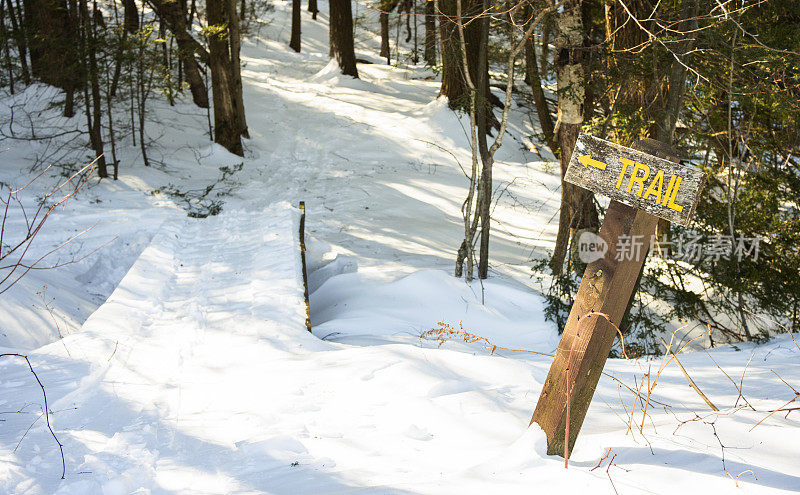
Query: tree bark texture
x=294 y=43
x=52 y=46
x=341 y=36
x=174 y=15
x=227 y=130
x=454 y=85
x=235 y=46
x=430 y=33
x=542 y=108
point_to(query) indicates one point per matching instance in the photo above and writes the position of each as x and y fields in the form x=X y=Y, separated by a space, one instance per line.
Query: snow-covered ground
x=186 y=367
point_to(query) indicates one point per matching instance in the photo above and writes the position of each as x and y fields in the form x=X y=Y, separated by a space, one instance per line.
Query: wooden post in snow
x=643 y=187
x=303 y=261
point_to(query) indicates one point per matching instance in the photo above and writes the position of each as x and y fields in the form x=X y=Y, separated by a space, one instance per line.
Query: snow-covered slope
x=198 y=376
x=185 y=346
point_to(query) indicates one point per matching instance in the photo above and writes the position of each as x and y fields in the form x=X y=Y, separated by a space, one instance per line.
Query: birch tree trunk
x=577 y=204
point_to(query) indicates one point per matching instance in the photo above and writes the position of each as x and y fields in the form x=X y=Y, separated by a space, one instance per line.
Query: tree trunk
x=483 y=109
x=294 y=44
x=194 y=77
x=454 y=86
x=54 y=59
x=235 y=44
x=72 y=74
x=542 y=109
x=453 y=83
x=415 y=14
x=91 y=91
x=131 y=15
x=385 y=50
x=341 y=36
x=577 y=204
x=677 y=74
x=47 y=25
x=174 y=15
x=312 y=7
x=386 y=7
x=97 y=104
x=6 y=49
x=547 y=26
x=19 y=36
x=430 y=34
x=226 y=124
x=408 y=19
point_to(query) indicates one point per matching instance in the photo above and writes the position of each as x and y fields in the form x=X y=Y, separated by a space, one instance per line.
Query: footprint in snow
x=418 y=433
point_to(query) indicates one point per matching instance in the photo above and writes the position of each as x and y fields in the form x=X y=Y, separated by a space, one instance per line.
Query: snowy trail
x=197 y=376
x=177 y=346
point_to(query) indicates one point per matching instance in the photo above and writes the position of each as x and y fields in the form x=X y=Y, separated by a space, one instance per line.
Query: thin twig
x=691 y=382
x=46 y=410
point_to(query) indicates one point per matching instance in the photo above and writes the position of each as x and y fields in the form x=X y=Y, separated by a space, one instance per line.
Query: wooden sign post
x=643 y=187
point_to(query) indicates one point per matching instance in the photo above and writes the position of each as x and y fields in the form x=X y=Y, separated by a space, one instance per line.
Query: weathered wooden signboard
x=643 y=188
x=660 y=187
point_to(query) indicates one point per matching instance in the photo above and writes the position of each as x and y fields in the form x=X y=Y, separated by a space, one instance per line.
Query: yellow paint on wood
x=588 y=161
x=653 y=190
x=669 y=190
x=625 y=163
x=671 y=203
x=635 y=179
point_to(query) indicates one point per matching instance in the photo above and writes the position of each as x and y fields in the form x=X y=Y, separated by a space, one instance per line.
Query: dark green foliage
x=559 y=296
x=738 y=117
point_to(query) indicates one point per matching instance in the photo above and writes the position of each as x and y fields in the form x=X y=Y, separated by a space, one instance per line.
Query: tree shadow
x=701 y=463
x=111 y=444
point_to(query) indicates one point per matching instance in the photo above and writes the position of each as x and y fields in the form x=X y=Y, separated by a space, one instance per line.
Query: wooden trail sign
x=643 y=187
x=658 y=186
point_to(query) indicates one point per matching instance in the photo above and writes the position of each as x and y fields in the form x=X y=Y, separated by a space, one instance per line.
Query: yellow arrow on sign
x=588 y=161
